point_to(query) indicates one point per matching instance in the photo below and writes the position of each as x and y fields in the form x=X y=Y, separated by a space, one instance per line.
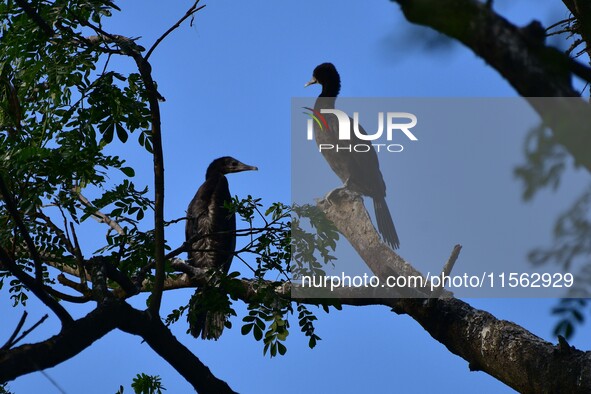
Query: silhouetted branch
x=581 y=11
x=190 y=11
x=83 y=332
x=531 y=67
x=161 y=340
x=14 y=341
x=20 y=324
x=67 y=297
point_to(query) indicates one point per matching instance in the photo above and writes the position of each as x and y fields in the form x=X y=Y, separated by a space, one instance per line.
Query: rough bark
x=500 y=348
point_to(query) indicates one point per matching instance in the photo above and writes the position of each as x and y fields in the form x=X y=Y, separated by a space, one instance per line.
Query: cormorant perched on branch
x=359 y=171
x=212 y=230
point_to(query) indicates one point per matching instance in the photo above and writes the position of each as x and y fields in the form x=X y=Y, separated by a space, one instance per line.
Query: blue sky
x=228 y=81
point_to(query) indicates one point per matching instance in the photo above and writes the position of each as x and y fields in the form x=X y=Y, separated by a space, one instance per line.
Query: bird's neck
x=213 y=173
x=331 y=89
x=324 y=103
x=327 y=97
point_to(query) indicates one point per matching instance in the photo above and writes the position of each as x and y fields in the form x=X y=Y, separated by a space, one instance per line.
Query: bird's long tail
x=208 y=325
x=206 y=315
x=385 y=223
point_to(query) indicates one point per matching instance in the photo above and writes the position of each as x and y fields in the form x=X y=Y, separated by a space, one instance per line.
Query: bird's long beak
x=311 y=82
x=246 y=167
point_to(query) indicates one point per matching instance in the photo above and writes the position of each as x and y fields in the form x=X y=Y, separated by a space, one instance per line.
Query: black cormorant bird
x=211 y=230
x=359 y=171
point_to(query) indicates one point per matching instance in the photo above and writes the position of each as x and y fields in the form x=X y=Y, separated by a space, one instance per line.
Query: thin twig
x=53 y=382
x=244 y=261
x=18 y=328
x=449 y=265
x=79 y=256
x=564 y=21
x=27 y=332
x=189 y=12
x=101 y=217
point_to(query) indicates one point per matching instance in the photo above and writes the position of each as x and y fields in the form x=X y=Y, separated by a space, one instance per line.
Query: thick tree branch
x=498 y=42
x=159 y=337
x=531 y=67
x=83 y=332
x=73 y=338
x=383 y=261
x=500 y=348
x=153 y=95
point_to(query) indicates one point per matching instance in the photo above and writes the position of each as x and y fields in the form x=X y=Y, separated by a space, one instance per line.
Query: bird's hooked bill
x=311 y=82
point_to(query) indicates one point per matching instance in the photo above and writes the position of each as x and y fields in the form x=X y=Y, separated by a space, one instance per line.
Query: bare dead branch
x=449 y=265
x=101 y=217
x=190 y=11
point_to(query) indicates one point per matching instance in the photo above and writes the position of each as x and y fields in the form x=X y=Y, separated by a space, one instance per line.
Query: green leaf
x=108 y=133
x=246 y=329
x=257 y=333
x=121 y=133
x=130 y=172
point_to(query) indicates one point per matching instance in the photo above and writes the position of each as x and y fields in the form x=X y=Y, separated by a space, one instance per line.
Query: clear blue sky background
x=228 y=81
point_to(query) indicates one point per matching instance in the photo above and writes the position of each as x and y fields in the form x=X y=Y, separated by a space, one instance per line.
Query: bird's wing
x=213 y=225
x=365 y=172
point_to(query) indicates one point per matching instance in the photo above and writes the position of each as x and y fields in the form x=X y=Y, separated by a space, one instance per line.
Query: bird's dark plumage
x=211 y=230
x=359 y=171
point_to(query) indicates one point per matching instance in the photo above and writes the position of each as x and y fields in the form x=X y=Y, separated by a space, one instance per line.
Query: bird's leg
x=333 y=193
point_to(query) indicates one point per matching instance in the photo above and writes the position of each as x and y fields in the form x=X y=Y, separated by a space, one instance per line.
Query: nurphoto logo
x=395 y=122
